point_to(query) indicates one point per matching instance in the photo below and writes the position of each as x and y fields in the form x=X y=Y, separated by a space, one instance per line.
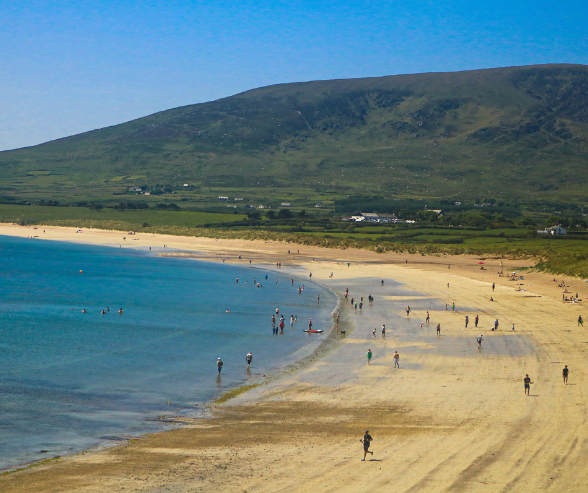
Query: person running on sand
x=396 y=359
x=367 y=439
x=528 y=384
x=438 y=329
x=249 y=359
x=369 y=354
x=479 y=339
x=565 y=374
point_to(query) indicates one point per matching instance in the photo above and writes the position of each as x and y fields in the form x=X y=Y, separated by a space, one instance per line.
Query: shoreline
x=297 y=359
x=453 y=418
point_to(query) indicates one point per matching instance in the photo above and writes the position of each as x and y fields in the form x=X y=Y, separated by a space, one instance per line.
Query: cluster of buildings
x=373 y=217
x=553 y=230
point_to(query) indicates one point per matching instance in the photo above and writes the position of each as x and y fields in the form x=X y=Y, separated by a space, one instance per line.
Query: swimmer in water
x=120 y=311
x=228 y=311
x=83 y=310
x=102 y=312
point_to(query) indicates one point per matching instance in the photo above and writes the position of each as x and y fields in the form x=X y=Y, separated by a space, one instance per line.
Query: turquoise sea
x=71 y=380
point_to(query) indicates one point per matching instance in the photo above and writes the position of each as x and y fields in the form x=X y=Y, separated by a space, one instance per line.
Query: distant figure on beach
x=447 y=285
x=383 y=331
x=382 y=282
x=282 y=324
x=407 y=311
x=367 y=439
x=493 y=286
x=374 y=332
x=428 y=319
x=479 y=339
x=291 y=320
x=396 y=359
x=580 y=321
x=292 y=282
x=453 y=307
x=249 y=359
x=446 y=305
x=467 y=320
x=355 y=306
x=310 y=324
x=277 y=310
x=421 y=325
x=476 y=321
x=369 y=354
x=565 y=374
x=318 y=299
x=528 y=384
x=496 y=324
x=219 y=365
x=348 y=265
x=513 y=327
x=438 y=329
x=360 y=306
x=310 y=275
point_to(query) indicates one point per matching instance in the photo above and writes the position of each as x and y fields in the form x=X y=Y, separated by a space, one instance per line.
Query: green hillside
x=514 y=134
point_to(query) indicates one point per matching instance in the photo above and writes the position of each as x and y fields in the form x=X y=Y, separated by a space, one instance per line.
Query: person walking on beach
x=580 y=321
x=407 y=311
x=565 y=374
x=249 y=359
x=383 y=331
x=369 y=356
x=476 y=321
x=396 y=359
x=528 y=384
x=496 y=324
x=493 y=286
x=453 y=307
x=438 y=329
x=467 y=321
x=219 y=365
x=367 y=439
x=479 y=339
x=428 y=318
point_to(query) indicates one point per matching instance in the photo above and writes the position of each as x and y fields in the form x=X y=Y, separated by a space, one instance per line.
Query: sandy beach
x=452 y=418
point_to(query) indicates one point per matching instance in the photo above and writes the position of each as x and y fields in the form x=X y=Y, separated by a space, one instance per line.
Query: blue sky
x=69 y=67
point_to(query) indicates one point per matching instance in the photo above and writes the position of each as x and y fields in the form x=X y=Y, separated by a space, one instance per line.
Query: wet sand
x=452 y=418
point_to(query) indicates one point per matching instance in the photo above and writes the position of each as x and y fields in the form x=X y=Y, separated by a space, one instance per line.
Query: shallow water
x=69 y=379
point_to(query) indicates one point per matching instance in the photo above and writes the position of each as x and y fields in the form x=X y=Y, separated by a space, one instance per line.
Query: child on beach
x=369 y=355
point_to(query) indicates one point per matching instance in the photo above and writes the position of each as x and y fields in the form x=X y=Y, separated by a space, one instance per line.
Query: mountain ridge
x=421 y=135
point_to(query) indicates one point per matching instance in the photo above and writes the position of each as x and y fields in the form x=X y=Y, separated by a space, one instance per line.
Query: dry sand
x=453 y=418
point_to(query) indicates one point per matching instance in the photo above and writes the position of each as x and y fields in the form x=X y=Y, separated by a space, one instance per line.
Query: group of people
x=220 y=364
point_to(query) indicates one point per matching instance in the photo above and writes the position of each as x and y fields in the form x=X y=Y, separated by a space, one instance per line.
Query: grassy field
x=132 y=220
x=563 y=254
x=516 y=134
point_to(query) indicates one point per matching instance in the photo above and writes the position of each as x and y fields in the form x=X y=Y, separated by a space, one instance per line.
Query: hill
x=514 y=134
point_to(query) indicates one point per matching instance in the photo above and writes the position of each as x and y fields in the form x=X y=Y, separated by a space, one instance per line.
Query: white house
x=223 y=198
x=554 y=230
x=285 y=204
